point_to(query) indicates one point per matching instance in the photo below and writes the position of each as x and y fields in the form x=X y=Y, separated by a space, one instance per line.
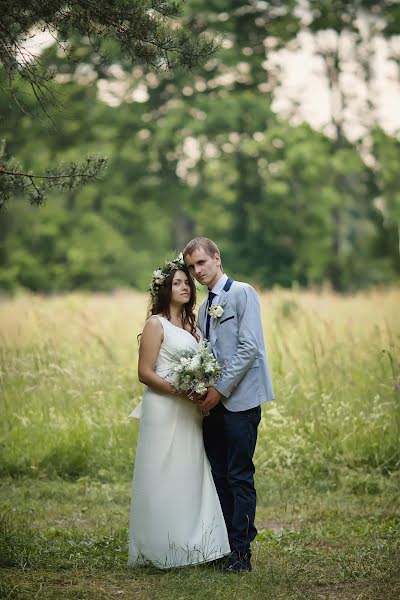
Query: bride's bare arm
x=150 y=344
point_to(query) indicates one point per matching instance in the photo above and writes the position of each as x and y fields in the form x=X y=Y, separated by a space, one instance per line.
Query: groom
x=233 y=328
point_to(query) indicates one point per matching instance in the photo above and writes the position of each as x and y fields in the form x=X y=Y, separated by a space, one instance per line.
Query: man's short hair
x=201 y=242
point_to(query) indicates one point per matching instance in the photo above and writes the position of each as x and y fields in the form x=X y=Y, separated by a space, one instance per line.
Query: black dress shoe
x=237 y=563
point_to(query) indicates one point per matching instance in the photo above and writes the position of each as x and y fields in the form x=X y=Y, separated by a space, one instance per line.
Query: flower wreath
x=162 y=273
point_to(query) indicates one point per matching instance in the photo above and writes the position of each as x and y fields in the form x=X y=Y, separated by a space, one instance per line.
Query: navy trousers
x=230 y=440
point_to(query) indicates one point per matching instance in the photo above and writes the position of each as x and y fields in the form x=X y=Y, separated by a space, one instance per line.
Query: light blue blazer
x=239 y=345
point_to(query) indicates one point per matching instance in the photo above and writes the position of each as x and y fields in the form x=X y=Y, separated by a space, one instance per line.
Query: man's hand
x=212 y=399
x=196 y=398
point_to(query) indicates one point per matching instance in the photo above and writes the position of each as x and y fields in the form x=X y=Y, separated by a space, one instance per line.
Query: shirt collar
x=219 y=286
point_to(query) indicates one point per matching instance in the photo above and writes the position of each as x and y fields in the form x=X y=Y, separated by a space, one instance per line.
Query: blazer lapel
x=221 y=301
x=222 y=298
x=202 y=310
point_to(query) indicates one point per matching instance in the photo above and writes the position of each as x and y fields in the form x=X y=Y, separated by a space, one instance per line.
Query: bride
x=176 y=518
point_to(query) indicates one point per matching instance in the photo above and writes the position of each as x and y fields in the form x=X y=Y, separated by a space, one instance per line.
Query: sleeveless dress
x=176 y=518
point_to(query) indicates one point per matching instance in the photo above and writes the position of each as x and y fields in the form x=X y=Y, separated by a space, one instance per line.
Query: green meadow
x=327 y=459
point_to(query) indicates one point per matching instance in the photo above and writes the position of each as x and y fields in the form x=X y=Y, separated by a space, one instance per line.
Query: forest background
x=207 y=153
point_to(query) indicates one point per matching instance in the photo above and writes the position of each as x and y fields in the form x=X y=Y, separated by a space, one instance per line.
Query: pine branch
x=146 y=31
x=30 y=176
x=14 y=181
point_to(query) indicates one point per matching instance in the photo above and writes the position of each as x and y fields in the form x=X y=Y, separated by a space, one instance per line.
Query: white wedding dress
x=176 y=518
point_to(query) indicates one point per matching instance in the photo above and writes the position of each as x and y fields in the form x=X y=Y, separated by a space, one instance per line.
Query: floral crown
x=162 y=273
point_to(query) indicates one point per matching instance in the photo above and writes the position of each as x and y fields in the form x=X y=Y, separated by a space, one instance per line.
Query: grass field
x=328 y=456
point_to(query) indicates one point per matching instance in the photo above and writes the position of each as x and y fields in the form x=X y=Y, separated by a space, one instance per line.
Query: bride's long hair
x=161 y=302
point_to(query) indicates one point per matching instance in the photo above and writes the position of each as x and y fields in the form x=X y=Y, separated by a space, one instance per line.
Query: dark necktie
x=211 y=297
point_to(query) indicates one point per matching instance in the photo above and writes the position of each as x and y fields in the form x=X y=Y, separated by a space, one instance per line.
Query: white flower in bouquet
x=195 y=371
x=194 y=364
x=200 y=389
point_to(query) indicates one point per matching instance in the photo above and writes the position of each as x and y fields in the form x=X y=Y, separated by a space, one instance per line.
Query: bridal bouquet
x=195 y=371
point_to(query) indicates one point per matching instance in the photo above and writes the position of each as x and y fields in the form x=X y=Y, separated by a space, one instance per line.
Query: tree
x=196 y=153
x=96 y=237
x=387 y=154
x=343 y=34
x=228 y=99
x=143 y=30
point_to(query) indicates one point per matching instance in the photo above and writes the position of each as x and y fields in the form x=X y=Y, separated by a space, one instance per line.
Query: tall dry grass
x=68 y=382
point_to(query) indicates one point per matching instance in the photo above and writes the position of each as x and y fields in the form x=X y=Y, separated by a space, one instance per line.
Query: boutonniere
x=216 y=311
